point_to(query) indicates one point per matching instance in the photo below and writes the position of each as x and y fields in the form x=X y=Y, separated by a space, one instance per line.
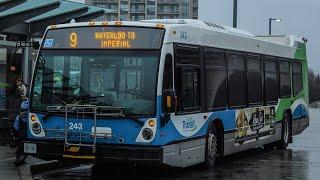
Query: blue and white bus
x=166 y=92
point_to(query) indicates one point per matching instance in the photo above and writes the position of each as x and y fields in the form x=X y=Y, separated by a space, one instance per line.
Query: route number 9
x=73 y=40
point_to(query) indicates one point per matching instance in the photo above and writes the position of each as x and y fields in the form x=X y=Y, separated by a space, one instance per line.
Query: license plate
x=30 y=148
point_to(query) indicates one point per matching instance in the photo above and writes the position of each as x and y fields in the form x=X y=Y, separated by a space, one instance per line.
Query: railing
x=162 y=11
x=168 y=1
x=138 y=1
x=81 y=113
x=104 y=1
x=137 y=10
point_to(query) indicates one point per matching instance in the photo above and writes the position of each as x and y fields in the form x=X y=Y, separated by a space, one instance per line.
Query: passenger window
x=271 y=80
x=187 y=78
x=236 y=80
x=297 y=77
x=285 y=81
x=216 y=79
x=254 y=77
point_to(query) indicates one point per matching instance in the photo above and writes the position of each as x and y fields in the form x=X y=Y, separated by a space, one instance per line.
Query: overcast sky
x=300 y=17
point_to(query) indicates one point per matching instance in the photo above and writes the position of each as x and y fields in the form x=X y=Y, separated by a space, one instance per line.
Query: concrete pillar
x=26 y=66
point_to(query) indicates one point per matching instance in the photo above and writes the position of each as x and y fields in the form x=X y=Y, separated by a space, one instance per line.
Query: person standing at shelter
x=20 y=126
x=15 y=92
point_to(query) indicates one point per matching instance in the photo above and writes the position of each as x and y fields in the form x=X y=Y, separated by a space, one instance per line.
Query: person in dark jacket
x=20 y=126
x=15 y=93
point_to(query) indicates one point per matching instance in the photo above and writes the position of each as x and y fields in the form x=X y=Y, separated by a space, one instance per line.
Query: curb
x=44 y=166
x=25 y=173
x=35 y=167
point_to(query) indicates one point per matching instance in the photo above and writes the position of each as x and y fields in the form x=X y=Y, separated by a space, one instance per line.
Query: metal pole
x=270 y=19
x=235 y=13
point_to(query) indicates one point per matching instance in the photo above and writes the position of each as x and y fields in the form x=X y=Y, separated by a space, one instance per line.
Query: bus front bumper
x=104 y=153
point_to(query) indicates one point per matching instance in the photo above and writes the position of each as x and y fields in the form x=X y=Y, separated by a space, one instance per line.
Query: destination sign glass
x=104 y=38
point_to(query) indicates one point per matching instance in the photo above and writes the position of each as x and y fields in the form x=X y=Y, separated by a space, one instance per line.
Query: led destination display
x=104 y=37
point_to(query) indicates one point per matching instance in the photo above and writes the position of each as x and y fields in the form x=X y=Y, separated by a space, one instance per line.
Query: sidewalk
x=8 y=170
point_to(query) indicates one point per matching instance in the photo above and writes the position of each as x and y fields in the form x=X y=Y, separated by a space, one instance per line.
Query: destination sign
x=104 y=38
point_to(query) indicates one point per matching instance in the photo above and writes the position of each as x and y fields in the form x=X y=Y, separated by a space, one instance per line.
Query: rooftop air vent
x=214 y=25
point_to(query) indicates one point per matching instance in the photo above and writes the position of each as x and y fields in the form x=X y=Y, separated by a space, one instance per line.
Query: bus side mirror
x=169 y=101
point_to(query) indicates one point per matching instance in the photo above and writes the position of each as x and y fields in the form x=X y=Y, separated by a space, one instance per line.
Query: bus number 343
x=75 y=126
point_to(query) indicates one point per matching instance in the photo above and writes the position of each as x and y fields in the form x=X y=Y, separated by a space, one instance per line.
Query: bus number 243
x=75 y=126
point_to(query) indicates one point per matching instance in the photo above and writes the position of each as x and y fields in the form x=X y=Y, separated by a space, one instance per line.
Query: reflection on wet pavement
x=300 y=161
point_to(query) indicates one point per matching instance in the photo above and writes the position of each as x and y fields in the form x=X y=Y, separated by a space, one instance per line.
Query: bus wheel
x=211 y=148
x=285 y=132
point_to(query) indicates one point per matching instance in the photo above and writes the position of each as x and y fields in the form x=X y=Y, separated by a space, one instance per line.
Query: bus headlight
x=36 y=128
x=147 y=134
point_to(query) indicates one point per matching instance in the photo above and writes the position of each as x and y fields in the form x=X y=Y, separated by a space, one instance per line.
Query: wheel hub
x=212 y=146
x=286 y=131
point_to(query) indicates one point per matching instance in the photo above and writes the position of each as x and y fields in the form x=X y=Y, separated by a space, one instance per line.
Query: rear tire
x=211 y=148
x=285 y=133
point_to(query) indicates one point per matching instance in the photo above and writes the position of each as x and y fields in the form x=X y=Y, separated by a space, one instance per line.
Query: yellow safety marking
x=78 y=157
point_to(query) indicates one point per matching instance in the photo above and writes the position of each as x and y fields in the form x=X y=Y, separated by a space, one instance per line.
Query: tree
x=314 y=86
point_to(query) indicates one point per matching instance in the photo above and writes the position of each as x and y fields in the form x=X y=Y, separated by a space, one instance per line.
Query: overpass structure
x=31 y=17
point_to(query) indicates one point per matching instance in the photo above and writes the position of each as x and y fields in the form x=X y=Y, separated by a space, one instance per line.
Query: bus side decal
x=299 y=108
x=254 y=123
x=189 y=125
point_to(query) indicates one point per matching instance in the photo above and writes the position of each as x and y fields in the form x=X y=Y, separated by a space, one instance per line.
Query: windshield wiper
x=132 y=117
x=85 y=98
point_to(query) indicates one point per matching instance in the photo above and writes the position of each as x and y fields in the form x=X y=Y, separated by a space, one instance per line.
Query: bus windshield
x=118 y=78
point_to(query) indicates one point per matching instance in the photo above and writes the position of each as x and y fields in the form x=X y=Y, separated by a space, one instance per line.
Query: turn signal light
x=33 y=118
x=152 y=123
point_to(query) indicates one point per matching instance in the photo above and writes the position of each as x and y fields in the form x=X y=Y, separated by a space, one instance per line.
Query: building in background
x=147 y=9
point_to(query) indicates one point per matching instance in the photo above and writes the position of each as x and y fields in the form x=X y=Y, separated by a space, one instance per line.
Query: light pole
x=270 y=21
x=235 y=13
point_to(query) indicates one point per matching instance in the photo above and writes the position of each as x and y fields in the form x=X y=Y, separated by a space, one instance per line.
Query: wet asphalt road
x=300 y=161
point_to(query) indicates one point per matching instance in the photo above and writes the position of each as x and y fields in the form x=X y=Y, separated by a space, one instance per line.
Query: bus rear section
x=94 y=94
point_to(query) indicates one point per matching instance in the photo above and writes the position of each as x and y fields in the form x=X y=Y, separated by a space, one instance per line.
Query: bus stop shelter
x=26 y=20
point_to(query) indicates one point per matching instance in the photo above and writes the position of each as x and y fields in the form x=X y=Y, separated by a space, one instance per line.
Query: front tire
x=285 y=133
x=211 y=148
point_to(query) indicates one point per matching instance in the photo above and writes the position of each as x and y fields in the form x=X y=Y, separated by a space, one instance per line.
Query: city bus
x=164 y=92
